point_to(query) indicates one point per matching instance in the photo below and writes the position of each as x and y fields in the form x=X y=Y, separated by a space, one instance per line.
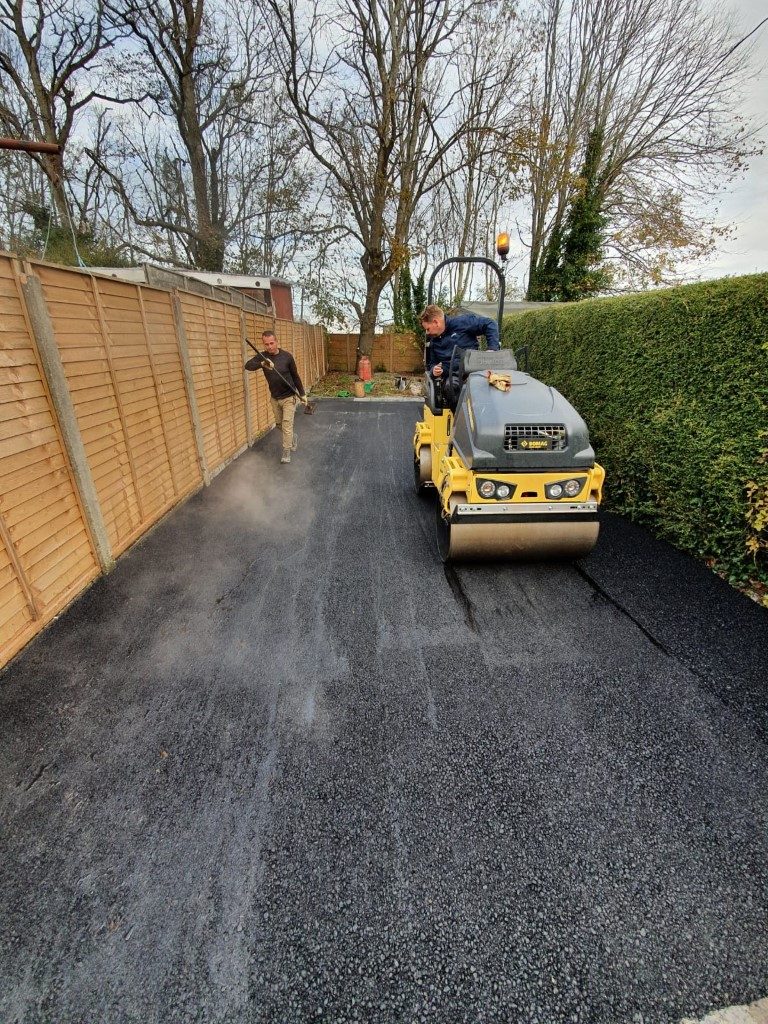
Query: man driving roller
x=446 y=332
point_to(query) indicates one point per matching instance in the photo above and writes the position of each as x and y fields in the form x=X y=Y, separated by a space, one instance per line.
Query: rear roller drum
x=445 y=530
x=422 y=469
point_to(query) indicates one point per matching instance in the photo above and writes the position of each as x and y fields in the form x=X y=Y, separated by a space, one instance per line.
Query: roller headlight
x=487 y=488
x=503 y=491
x=564 y=488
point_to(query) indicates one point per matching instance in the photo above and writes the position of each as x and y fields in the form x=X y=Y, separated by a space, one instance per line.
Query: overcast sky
x=746 y=206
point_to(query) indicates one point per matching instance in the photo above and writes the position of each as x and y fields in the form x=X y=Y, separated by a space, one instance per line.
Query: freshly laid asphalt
x=281 y=766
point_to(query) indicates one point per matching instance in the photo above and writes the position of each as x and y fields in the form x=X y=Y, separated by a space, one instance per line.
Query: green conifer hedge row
x=673 y=385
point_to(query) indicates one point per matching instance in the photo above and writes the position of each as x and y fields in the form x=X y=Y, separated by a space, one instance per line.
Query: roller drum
x=529 y=541
x=422 y=468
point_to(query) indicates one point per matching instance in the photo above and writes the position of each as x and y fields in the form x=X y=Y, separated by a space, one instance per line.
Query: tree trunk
x=54 y=170
x=376 y=277
x=209 y=244
x=209 y=251
x=542 y=274
x=368 y=319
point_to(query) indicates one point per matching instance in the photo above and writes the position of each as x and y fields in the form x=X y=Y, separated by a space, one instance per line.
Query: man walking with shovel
x=285 y=387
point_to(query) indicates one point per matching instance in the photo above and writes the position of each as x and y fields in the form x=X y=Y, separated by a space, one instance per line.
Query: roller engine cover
x=529 y=427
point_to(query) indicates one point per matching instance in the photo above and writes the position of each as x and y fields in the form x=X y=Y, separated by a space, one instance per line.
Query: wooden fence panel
x=223 y=398
x=321 y=351
x=138 y=400
x=395 y=353
x=169 y=377
x=130 y=431
x=91 y=375
x=308 y=374
x=46 y=553
x=300 y=348
x=312 y=371
x=119 y=351
x=226 y=345
x=295 y=344
x=340 y=358
x=235 y=373
x=310 y=356
x=215 y=352
x=406 y=353
x=193 y=313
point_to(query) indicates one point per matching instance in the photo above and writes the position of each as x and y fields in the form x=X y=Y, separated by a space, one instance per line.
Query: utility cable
x=48 y=232
x=78 y=257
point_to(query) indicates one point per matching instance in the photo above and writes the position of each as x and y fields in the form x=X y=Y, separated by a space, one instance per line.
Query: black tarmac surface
x=280 y=766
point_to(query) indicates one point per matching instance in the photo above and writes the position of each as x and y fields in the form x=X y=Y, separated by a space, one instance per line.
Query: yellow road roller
x=510 y=461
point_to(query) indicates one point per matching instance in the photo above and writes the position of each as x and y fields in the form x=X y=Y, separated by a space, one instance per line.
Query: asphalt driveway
x=281 y=766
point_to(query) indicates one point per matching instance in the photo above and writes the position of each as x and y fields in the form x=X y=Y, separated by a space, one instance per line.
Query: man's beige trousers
x=284 y=410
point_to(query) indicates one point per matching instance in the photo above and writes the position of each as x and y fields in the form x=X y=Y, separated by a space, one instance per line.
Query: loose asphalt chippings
x=280 y=766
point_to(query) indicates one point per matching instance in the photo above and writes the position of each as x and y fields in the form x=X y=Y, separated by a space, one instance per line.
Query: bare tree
x=462 y=217
x=279 y=205
x=48 y=50
x=330 y=279
x=658 y=82
x=24 y=200
x=101 y=213
x=201 y=68
x=373 y=88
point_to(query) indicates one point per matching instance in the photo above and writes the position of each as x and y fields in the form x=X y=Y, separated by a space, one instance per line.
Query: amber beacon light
x=502 y=245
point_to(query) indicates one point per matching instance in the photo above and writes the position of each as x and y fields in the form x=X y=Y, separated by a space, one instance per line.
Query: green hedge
x=673 y=385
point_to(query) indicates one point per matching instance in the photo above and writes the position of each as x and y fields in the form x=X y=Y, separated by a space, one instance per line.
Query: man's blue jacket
x=463 y=330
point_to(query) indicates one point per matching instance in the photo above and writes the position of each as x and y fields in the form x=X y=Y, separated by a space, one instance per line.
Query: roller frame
x=472 y=528
x=515 y=530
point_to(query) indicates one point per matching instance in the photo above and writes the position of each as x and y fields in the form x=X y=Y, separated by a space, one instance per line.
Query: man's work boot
x=286 y=456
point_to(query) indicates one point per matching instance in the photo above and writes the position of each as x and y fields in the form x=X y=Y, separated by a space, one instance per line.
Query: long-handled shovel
x=309 y=407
